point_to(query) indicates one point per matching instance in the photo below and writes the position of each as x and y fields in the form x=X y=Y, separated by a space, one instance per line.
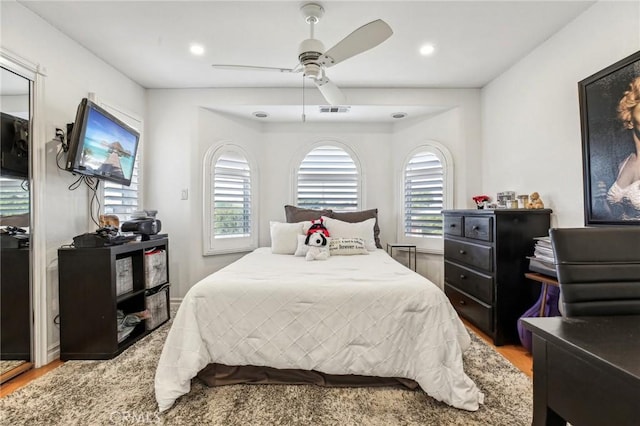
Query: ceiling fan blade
x=254 y=68
x=330 y=91
x=364 y=38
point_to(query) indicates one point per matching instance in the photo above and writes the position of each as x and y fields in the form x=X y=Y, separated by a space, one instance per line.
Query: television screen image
x=101 y=145
x=14 y=146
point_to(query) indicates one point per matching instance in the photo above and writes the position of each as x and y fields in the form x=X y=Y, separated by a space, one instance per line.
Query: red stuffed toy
x=318 y=226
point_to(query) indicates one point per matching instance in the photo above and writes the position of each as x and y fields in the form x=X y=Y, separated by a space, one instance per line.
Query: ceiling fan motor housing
x=313 y=58
x=310 y=51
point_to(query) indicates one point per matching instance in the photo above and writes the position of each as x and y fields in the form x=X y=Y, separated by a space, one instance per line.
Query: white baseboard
x=174 y=303
x=53 y=352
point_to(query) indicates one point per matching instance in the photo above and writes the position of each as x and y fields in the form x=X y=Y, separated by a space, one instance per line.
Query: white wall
x=182 y=125
x=289 y=143
x=447 y=129
x=530 y=114
x=71 y=73
x=528 y=135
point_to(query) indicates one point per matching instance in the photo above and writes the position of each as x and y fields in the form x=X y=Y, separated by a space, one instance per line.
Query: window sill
x=212 y=252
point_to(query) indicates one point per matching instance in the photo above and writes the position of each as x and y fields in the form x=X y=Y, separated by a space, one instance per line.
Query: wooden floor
x=516 y=354
x=27 y=376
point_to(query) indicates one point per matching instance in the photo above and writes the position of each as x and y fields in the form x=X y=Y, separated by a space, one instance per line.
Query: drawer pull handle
x=462 y=252
x=462 y=302
x=463 y=276
x=475 y=227
x=453 y=225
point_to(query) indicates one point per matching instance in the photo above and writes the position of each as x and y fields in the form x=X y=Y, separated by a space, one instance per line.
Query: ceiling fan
x=313 y=59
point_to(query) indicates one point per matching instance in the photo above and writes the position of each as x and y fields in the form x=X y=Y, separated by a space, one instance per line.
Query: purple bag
x=550 y=310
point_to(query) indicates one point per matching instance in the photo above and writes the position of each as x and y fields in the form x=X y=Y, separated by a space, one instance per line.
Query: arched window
x=328 y=178
x=427 y=176
x=230 y=201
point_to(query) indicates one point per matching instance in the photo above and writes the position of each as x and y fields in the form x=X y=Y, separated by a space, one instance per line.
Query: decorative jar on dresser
x=485 y=259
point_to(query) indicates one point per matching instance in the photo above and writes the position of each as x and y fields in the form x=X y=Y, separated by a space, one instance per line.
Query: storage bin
x=155 y=268
x=157 y=303
x=124 y=275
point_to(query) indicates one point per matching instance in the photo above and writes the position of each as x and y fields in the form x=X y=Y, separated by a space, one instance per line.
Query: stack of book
x=543 y=260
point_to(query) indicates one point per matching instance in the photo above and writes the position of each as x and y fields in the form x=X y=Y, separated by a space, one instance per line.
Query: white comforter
x=363 y=315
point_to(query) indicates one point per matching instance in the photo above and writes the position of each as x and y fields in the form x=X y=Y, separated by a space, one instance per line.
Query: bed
x=348 y=315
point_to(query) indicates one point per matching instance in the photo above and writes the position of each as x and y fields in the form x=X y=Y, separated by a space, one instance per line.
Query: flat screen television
x=101 y=145
x=14 y=146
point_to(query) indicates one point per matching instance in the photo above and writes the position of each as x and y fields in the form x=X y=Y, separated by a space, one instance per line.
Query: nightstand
x=411 y=248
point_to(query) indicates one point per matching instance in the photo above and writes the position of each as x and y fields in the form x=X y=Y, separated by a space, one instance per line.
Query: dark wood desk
x=586 y=370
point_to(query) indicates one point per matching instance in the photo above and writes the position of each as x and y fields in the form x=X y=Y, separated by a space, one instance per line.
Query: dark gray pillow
x=295 y=214
x=361 y=216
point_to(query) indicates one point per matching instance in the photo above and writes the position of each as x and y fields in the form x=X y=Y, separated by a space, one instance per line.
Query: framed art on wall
x=610 y=123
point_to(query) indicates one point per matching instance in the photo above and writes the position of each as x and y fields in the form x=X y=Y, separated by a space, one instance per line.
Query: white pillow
x=347 y=246
x=364 y=230
x=284 y=237
x=305 y=226
x=302 y=248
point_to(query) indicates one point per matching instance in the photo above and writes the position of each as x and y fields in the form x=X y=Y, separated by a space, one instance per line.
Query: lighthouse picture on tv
x=104 y=146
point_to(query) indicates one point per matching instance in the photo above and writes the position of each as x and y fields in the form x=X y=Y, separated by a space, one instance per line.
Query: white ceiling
x=149 y=40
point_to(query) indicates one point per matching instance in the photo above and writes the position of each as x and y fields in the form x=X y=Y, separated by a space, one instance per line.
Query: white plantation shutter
x=423 y=195
x=122 y=200
x=14 y=196
x=328 y=179
x=231 y=196
x=118 y=199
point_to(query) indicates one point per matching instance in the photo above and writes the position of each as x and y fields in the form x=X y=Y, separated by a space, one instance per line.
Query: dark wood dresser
x=485 y=259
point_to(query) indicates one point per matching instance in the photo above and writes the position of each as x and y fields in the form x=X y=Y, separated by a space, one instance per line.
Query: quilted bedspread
x=364 y=315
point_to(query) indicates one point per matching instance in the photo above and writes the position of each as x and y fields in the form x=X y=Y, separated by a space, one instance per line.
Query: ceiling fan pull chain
x=304 y=116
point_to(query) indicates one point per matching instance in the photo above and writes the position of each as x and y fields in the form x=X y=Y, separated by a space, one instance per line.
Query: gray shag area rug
x=120 y=392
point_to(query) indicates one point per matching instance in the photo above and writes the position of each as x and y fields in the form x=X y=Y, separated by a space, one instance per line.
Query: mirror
x=15 y=213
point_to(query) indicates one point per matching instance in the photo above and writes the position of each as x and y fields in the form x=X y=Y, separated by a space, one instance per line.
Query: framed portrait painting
x=610 y=122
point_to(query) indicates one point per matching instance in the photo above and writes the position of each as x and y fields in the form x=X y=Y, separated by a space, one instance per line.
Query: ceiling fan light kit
x=313 y=59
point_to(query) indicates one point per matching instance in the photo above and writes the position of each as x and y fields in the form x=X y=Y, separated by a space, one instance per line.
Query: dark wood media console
x=89 y=299
x=15 y=301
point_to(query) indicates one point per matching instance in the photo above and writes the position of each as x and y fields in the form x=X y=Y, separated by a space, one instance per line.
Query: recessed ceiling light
x=260 y=114
x=196 y=49
x=427 y=49
x=399 y=115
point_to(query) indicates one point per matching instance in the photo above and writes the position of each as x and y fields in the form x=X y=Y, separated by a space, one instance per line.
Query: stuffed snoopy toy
x=318 y=226
x=317 y=243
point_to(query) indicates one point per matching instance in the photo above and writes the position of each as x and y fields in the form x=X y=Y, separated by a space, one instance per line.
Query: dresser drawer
x=469 y=253
x=453 y=225
x=478 y=228
x=469 y=281
x=470 y=308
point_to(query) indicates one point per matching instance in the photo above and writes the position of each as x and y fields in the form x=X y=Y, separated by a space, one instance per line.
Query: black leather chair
x=598 y=270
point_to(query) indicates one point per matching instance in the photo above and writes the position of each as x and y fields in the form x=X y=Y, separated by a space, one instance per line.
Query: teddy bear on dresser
x=535 y=202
